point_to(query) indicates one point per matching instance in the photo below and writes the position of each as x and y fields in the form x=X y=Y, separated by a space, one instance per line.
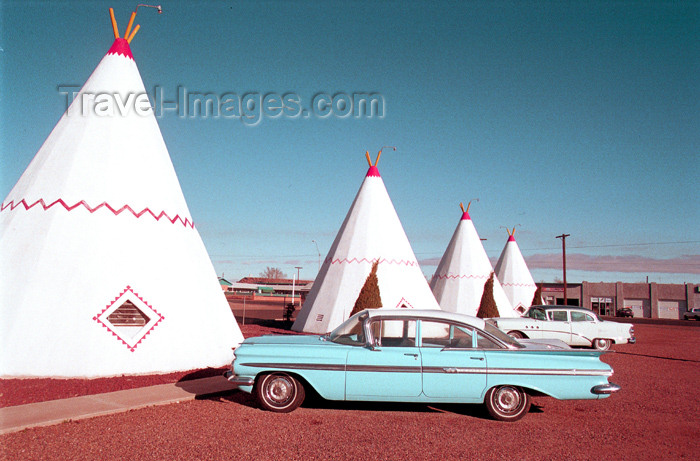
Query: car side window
x=536 y=314
x=558 y=316
x=486 y=343
x=441 y=334
x=580 y=317
x=393 y=333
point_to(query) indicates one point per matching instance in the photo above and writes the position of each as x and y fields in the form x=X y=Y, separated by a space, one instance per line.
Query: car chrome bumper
x=605 y=389
x=238 y=380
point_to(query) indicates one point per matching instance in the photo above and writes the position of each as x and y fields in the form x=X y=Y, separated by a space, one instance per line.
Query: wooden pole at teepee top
x=131 y=23
x=131 y=37
x=114 y=23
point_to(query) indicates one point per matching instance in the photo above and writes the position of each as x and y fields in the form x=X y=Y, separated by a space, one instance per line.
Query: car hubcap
x=507 y=399
x=279 y=390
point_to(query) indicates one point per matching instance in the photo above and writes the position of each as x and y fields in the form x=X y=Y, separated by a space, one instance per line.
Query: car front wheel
x=279 y=392
x=507 y=403
x=602 y=344
x=516 y=334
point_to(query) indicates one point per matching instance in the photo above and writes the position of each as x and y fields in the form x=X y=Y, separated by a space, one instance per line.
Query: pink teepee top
x=121 y=46
x=373 y=171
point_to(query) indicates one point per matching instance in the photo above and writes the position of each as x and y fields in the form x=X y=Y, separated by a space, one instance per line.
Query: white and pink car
x=575 y=326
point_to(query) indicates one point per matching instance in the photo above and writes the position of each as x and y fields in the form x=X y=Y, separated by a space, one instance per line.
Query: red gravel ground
x=655 y=416
x=20 y=391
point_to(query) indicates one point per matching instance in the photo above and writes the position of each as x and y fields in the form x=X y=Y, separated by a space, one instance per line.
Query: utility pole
x=563 y=252
x=298 y=268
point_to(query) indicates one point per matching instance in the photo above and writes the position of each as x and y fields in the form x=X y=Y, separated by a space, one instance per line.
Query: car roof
x=427 y=314
x=551 y=306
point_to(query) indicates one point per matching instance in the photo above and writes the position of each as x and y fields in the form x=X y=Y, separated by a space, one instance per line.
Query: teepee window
x=129 y=317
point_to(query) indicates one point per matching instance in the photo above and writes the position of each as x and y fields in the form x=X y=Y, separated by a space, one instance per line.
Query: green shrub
x=487 y=307
x=369 y=297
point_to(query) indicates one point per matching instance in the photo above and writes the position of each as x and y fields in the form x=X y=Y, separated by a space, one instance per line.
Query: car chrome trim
x=545 y=371
x=383 y=369
x=460 y=370
x=238 y=380
x=605 y=389
x=327 y=367
x=298 y=366
x=418 y=369
x=330 y=367
x=516 y=371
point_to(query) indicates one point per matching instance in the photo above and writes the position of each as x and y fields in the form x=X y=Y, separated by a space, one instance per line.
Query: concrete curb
x=17 y=418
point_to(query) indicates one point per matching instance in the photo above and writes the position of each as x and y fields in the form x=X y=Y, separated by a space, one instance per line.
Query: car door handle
x=415 y=356
x=476 y=358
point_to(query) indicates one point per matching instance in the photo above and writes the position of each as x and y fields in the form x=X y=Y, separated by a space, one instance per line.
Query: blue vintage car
x=407 y=355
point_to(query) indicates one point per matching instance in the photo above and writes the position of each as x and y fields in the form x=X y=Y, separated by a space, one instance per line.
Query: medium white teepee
x=371 y=232
x=458 y=283
x=514 y=275
x=103 y=272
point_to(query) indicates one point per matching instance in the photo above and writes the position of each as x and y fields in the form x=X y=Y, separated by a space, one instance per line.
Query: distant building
x=648 y=300
x=264 y=287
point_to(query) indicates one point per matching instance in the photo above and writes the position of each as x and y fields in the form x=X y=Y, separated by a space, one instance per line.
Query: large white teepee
x=371 y=232
x=103 y=272
x=459 y=280
x=514 y=275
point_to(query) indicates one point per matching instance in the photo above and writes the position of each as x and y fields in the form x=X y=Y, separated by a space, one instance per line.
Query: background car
x=625 y=312
x=406 y=355
x=575 y=326
x=692 y=314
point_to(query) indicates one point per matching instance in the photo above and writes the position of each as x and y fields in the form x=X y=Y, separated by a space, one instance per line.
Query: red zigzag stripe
x=12 y=205
x=372 y=261
x=518 y=285
x=446 y=276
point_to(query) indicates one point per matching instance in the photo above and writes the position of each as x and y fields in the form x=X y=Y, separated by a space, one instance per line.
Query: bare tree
x=273 y=273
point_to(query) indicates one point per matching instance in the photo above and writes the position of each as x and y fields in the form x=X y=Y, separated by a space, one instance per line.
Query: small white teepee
x=459 y=280
x=371 y=232
x=103 y=272
x=514 y=275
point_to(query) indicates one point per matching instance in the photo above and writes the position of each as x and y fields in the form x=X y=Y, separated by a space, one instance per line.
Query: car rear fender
x=563 y=375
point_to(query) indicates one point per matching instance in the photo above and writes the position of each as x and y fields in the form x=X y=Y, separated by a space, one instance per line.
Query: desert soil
x=654 y=416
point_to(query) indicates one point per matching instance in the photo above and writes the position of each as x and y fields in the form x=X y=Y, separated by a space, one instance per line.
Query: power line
x=617 y=245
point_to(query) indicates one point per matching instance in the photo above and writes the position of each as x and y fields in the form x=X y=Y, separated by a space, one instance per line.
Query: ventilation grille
x=128 y=315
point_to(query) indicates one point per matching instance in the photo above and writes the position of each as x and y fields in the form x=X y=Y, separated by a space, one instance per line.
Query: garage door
x=671 y=309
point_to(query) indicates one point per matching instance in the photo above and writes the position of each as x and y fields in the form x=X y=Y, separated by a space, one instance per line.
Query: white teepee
x=371 y=232
x=103 y=272
x=514 y=275
x=458 y=283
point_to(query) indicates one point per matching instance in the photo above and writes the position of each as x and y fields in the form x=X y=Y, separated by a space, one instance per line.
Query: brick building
x=650 y=300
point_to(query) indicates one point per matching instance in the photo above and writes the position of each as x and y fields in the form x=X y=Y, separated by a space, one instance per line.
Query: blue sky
x=560 y=117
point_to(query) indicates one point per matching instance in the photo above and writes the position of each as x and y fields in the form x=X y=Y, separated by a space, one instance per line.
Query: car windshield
x=349 y=332
x=492 y=330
